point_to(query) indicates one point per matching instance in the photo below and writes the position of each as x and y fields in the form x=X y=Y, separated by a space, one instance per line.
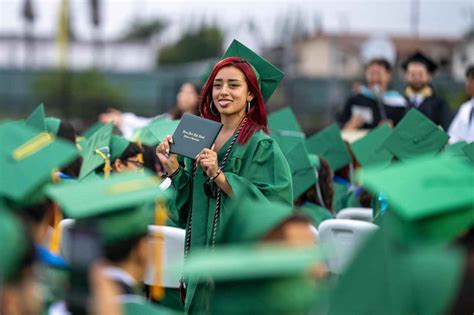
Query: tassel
x=107 y=167
x=56 y=237
x=157 y=291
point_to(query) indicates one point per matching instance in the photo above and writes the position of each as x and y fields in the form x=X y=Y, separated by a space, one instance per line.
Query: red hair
x=257 y=115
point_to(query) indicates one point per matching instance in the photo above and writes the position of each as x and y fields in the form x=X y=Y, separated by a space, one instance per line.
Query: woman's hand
x=169 y=161
x=207 y=158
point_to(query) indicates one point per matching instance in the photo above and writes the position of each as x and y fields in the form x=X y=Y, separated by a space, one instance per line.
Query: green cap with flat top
x=284 y=119
x=122 y=206
x=268 y=75
x=36 y=118
x=247 y=280
x=370 y=150
x=292 y=144
x=384 y=278
x=13 y=243
x=52 y=124
x=118 y=145
x=415 y=135
x=329 y=145
x=469 y=151
x=431 y=198
x=28 y=159
x=96 y=150
x=155 y=132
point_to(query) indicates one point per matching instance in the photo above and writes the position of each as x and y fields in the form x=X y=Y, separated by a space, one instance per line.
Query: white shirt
x=461 y=128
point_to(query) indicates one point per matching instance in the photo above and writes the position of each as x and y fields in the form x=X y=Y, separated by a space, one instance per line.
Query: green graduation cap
x=28 y=158
x=370 y=150
x=118 y=145
x=329 y=145
x=415 y=135
x=122 y=206
x=52 y=124
x=384 y=278
x=268 y=75
x=284 y=119
x=246 y=225
x=161 y=126
x=37 y=118
x=13 y=243
x=292 y=144
x=96 y=150
x=160 y=129
x=469 y=151
x=455 y=149
x=247 y=280
x=92 y=130
x=431 y=198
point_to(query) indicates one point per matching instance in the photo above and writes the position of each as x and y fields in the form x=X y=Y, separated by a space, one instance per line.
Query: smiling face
x=230 y=92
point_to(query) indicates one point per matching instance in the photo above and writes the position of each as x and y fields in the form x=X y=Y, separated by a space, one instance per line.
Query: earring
x=248 y=106
x=211 y=108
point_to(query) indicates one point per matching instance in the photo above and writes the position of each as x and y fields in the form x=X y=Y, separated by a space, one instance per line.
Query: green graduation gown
x=258 y=166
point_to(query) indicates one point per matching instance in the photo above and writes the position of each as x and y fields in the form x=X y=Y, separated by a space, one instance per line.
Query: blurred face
x=417 y=76
x=23 y=298
x=133 y=163
x=470 y=86
x=187 y=98
x=377 y=75
x=230 y=92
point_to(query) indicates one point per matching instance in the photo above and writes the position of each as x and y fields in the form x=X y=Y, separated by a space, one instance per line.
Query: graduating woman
x=244 y=155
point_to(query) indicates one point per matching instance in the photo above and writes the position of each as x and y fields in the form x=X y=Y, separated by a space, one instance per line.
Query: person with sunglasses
x=244 y=155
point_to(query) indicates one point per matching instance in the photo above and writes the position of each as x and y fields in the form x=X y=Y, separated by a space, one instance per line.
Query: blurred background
x=81 y=57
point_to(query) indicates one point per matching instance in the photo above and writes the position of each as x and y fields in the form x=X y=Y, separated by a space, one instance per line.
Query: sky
x=438 y=18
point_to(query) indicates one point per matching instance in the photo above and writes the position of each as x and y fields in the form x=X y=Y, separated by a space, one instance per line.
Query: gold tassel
x=56 y=237
x=158 y=292
x=107 y=167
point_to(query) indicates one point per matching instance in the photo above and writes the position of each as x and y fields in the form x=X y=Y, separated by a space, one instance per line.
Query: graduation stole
x=425 y=92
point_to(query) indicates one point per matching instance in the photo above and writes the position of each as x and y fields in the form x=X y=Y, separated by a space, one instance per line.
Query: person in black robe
x=373 y=104
x=419 y=93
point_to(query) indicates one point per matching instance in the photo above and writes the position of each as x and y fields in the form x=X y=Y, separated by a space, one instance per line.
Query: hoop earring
x=211 y=108
x=248 y=106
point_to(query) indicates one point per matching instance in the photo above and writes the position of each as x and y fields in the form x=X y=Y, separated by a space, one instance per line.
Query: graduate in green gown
x=244 y=154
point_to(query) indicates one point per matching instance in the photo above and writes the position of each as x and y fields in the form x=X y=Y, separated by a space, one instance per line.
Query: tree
x=204 y=43
x=140 y=30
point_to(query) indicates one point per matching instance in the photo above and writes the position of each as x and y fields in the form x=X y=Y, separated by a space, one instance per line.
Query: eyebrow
x=230 y=80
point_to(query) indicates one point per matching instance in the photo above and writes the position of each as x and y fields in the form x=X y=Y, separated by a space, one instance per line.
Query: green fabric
x=121 y=206
x=155 y=132
x=13 y=244
x=316 y=213
x=284 y=119
x=248 y=281
x=100 y=140
x=469 y=151
x=92 y=130
x=329 y=145
x=172 y=300
x=248 y=225
x=294 y=149
x=455 y=149
x=315 y=162
x=340 y=197
x=269 y=75
x=258 y=166
x=143 y=307
x=28 y=158
x=415 y=135
x=118 y=145
x=369 y=150
x=36 y=118
x=432 y=196
x=385 y=278
x=52 y=125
